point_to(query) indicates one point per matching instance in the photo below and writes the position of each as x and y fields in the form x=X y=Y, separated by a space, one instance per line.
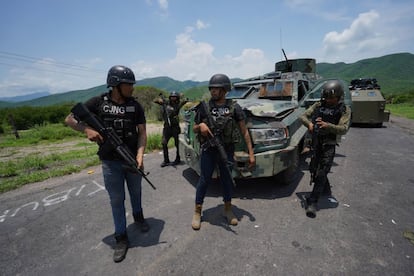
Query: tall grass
x=47 y=163
x=403 y=110
x=39 y=134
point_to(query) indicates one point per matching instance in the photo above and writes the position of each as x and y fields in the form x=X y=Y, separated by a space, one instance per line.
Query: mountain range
x=394 y=74
x=26 y=97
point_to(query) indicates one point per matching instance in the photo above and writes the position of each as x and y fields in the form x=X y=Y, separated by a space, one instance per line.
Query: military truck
x=368 y=102
x=272 y=103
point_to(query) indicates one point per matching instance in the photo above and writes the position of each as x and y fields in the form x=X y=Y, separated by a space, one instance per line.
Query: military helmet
x=174 y=94
x=332 y=88
x=119 y=74
x=221 y=81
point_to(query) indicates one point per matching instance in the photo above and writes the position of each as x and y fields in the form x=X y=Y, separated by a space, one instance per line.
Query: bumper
x=268 y=163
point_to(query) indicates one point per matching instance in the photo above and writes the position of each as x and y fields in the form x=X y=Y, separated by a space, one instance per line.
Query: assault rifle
x=315 y=158
x=215 y=142
x=316 y=146
x=164 y=110
x=82 y=113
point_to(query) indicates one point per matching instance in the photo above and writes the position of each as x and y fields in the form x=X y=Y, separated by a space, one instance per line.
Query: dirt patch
x=154 y=128
x=404 y=123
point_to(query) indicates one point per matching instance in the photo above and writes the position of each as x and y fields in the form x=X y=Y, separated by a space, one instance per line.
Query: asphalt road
x=63 y=226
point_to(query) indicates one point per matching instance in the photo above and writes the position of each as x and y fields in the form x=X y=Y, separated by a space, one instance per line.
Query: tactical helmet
x=221 y=81
x=119 y=74
x=332 y=88
x=174 y=94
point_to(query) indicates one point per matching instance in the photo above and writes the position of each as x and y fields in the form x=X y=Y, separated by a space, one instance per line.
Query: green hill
x=394 y=74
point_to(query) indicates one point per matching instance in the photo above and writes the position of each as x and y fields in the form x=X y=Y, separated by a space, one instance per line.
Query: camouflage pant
x=325 y=156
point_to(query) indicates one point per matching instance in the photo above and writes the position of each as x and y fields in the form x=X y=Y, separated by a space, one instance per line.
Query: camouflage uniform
x=171 y=127
x=338 y=118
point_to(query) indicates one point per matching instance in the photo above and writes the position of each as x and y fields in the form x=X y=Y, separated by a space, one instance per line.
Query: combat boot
x=165 y=163
x=228 y=213
x=120 y=248
x=166 y=157
x=196 y=223
x=141 y=222
x=177 y=158
x=177 y=161
x=310 y=209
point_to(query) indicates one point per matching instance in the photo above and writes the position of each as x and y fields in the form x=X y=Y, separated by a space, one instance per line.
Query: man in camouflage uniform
x=170 y=111
x=325 y=120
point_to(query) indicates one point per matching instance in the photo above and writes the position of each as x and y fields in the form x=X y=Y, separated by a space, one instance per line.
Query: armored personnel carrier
x=368 y=102
x=272 y=103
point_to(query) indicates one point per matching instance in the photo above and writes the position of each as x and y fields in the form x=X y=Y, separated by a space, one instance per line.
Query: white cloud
x=201 y=25
x=363 y=36
x=52 y=76
x=163 y=4
x=196 y=60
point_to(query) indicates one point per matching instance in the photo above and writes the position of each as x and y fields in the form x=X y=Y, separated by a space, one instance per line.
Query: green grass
x=38 y=135
x=37 y=167
x=47 y=162
x=403 y=110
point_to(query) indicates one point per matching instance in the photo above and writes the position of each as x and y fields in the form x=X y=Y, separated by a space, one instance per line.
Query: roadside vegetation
x=49 y=151
x=35 y=144
x=401 y=104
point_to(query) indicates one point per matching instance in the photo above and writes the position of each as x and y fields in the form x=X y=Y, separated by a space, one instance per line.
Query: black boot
x=166 y=157
x=165 y=163
x=177 y=160
x=121 y=247
x=141 y=222
x=310 y=208
x=311 y=211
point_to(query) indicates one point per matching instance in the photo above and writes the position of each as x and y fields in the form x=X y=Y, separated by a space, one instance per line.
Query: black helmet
x=220 y=80
x=119 y=74
x=174 y=94
x=332 y=88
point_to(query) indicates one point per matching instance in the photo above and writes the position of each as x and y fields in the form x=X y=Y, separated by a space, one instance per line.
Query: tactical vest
x=224 y=123
x=172 y=112
x=121 y=118
x=330 y=115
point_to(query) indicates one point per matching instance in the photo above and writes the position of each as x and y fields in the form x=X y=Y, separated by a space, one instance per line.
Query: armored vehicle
x=368 y=102
x=272 y=103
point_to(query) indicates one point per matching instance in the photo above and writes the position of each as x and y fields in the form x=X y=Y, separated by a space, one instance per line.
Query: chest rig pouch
x=224 y=123
x=121 y=119
x=328 y=114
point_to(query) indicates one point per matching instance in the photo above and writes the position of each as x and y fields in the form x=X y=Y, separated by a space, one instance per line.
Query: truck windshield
x=278 y=89
x=239 y=92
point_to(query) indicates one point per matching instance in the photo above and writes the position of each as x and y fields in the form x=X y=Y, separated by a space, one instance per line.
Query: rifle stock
x=82 y=113
x=164 y=110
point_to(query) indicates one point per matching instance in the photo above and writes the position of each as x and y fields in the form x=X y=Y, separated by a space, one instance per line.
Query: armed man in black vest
x=218 y=127
x=325 y=120
x=170 y=114
x=117 y=109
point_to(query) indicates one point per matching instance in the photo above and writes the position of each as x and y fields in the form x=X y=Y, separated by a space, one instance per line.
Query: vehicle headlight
x=268 y=136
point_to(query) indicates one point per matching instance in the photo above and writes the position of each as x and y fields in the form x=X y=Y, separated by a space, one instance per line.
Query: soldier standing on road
x=229 y=120
x=119 y=110
x=170 y=111
x=325 y=120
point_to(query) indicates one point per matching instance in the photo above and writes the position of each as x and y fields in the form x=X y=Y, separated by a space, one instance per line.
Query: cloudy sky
x=64 y=45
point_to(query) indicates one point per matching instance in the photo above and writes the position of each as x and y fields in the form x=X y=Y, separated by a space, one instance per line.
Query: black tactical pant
x=167 y=134
x=324 y=155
